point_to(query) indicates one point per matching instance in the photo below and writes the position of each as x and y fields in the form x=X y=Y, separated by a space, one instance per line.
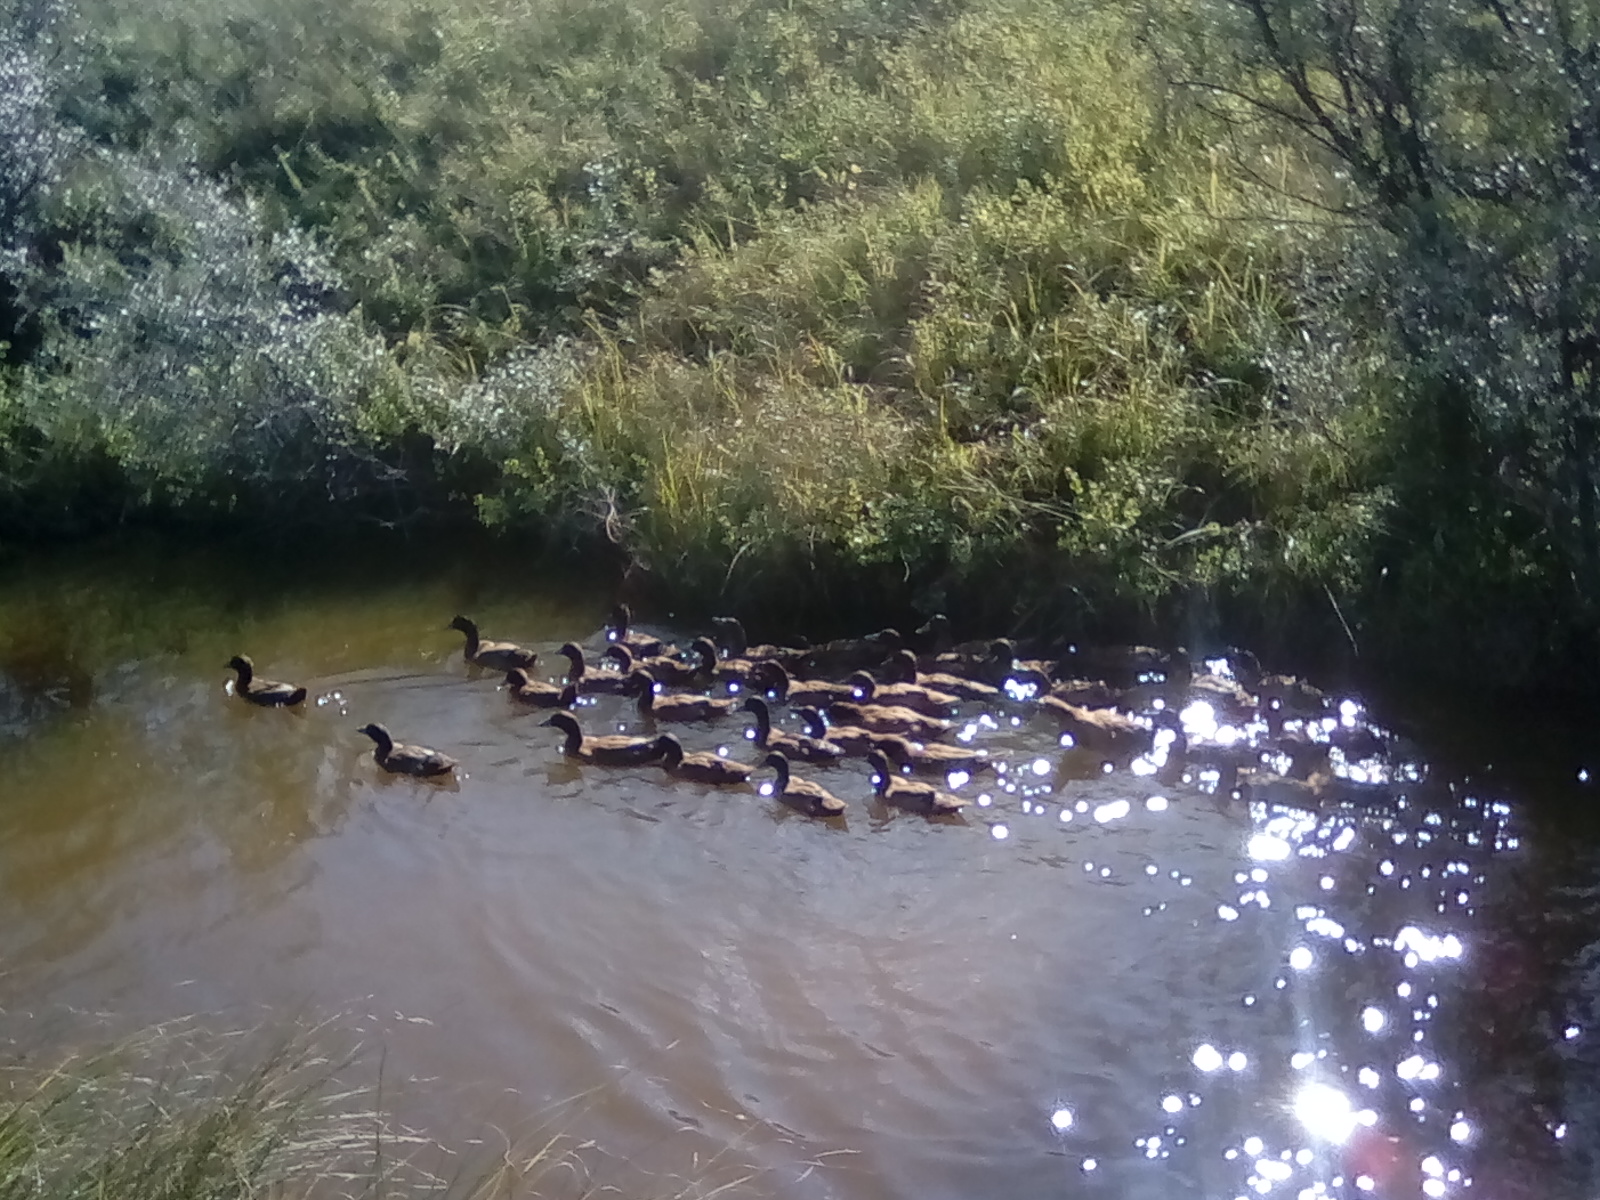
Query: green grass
x=178 y=1112
x=833 y=311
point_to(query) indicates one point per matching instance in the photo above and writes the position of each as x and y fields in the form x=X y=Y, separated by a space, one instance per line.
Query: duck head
x=242 y=664
x=378 y=734
x=882 y=772
x=670 y=749
x=862 y=686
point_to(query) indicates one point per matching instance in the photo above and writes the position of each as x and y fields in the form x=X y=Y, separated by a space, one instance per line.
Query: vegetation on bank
x=1267 y=319
x=179 y=1112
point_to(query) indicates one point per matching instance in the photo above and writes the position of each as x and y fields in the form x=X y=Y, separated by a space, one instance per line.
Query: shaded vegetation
x=1260 y=319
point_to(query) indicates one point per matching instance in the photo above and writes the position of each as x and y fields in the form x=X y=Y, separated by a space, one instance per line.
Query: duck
x=1182 y=754
x=538 y=694
x=500 y=656
x=1004 y=666
x=401 y=759
x=887 y=718
x=805 y=795
x=619 y=633
x=1283 y=696
x=674 y=708
x=893 y=788
x=673 y=671
x=932 y=759
x=1306 y=756
x=1100 y=730
x=1320 y=789
x=1229 y=701
x=853 y=740
x=699 y=767
x=731 y=631
x=776 y=679
x=1086 y=693
x=727 y=670
x=852 y=654
x=592 y=683
x=1131 y=663
x=806 y=749
x=611 y=750
x=267 y=692
x=902 y=667
x=924 y=700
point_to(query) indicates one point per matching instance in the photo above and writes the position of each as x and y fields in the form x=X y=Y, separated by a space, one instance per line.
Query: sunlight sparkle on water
x=1325 y=1112
x=1373 y=1019
x=1172 y=1104
x=1237 y=1061
x=1207 y=1058
x=999 y=833
x=1460 y=1132
x=1300 y=958
x=1114 y=810
x=1156 y=804
x=1263 y=847
x=1426 y=946
x=1061 y=1119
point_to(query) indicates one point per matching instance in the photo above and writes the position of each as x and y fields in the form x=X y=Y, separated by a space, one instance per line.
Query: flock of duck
x=890 y=700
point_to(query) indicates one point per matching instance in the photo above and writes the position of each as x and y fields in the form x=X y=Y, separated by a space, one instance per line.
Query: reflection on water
x=1132 y=984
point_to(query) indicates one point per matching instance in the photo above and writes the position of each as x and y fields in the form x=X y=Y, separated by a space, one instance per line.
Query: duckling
x=592 y=683
x=611 y=750
x=699 y=767
x=538 y=694
x=908 y=695
x=807 y=691
x=809 y=797
x=887 y=718
x=853 y=740
x=401 y=759
x=673 y=671
x=674 y=708
x=498 y=655
x=902 y=668
x=1100 y=730
x=893 y=788
x=642 y=645
x=262 y=691
x=806 y=749
x=932 y=759
x=852 y=654
x=731 y=631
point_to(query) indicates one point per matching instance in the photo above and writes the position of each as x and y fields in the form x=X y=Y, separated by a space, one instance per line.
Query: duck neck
x=574 y=738
x=245 y=674
x=671 y=752
x=385 y=743
x=647 y=697
x=575 y=664
x=781 y=767
x=763 y=724
x=471 y=630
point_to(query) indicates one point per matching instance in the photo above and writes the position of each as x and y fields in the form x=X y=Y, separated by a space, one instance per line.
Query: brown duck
x=674 y=708
x=902 y=668
x=673 y=671
x=852 y=654
x=775 y=679
x=610 y=750
x=537 y=693
x=805 y=749
x=931 y=759
x=908 y=695
x=262 y=691
x=809 y=797
x=699 y=767
x=854 y=741
x=893 y=788
x=731 y=631
x=887 y=718
x=500 y=656
x=1100 y=730
x=592 y=683
x=619 y=633
x=402 y=759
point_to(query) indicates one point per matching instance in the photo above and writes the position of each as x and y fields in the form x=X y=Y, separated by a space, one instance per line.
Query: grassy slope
x=870 y=304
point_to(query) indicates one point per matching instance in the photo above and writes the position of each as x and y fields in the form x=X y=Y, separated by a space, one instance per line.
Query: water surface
x=1105 y=987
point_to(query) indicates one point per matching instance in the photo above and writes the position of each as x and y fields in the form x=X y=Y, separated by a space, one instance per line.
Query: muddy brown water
x=1103 y=987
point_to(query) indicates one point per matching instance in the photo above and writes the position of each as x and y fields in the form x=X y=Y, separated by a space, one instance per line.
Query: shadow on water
x=1091 y=983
